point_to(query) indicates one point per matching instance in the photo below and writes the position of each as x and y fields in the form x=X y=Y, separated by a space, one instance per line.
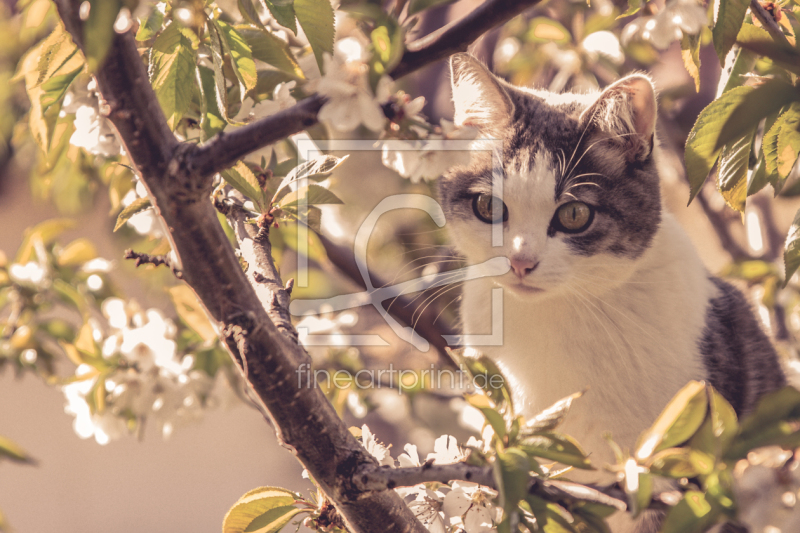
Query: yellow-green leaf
x=137 y=206
x=317 y=20
x=729 y=18
x=172 y=66
x=791 y=250
x=693 y=514
x=45 y=233
x=310 y=195
x=555 y=447
x=257 y=503
x=732 y=171
x=283 y=13
x=679 y=420
x=152 y=24
x=788 y=141
x=77 y=253
x=241 y=56
x=241 y=178
x=545 y=30
x=192 y=312
x=690 y=53
x=701 y=152
x=272 y=50
x=10 y=450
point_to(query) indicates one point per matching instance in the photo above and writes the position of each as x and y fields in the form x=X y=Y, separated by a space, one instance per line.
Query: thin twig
x=155 y=260
x=566 y=493
x=768 y=22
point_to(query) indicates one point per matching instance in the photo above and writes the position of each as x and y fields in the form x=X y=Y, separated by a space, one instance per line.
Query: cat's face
x=580 y=197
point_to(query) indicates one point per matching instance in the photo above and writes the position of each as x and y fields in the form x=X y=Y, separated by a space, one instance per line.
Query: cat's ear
x=627 y=110
x=480 y=99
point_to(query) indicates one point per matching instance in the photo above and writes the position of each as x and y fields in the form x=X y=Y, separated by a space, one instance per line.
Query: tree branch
x=565 y=493
x=425 y=324
x=225 y=149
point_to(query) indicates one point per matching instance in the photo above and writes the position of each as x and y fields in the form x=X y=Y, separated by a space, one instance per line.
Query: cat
x=605 y=292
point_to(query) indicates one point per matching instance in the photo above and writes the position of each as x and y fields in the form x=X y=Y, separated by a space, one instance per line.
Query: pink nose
x=522 y=266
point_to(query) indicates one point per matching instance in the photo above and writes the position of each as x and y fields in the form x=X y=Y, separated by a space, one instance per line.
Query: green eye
x=489 y=209
x=573 y=217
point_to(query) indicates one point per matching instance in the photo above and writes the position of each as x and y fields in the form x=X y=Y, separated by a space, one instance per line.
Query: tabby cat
x=605 y=292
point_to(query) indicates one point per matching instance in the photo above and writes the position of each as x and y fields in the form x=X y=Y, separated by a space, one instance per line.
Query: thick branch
x=303 y=418
x=225 y=149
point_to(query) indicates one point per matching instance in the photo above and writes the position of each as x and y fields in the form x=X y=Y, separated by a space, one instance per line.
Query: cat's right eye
x=573 y=217
x=489 y=209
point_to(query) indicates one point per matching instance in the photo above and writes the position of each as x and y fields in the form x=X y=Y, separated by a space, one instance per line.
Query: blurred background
x=156 y=476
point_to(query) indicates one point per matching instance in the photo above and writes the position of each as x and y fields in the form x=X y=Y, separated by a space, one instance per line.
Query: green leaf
x=759 y=178
x=241 y=178
x=415 y=6
x=212 y=120
x=152 y=24
x=485 y=374
x=218 y=62
x=701 y=153
x=788 y=141
x=639 y=499
x=773 y=407
x=55 y=88
x=98 y=31
x=311 y=216
x=283 y=14
x=693 y=514
x=56 y=50
x=736 y=74
x=545 y=30
x=679 y=420
x=317 y=20
x=758 y=104
x=172 y=64
x=241 y=56
x=719 y=429
x=512 y=472
x=681 y=462
x=633 y=7
x=551 y=417
x=555 y=447
x=250 y=13
x=10 y=450
x=137 y=206
x=192 y=312
x=70 y=294
x=771 y=135
x=761 y=42
x=311 y=194
x=732 y=169
x=490 y=412
x=690 y=53
x=730 y=17
x=314 y=169
x=77 y=253
x=248 y=513
x=45 y=233
x=791 y=250
x=272 y=50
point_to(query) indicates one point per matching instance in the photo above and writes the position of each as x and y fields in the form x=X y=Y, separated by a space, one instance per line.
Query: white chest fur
x=631 y=348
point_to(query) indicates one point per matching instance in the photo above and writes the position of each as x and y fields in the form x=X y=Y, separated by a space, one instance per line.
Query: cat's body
x=605 y=293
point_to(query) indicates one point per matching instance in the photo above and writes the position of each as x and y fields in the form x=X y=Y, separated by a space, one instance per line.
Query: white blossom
x=93 y=132
x=409 y=458
x=469 y=506
x=350 y=99
x=446 y=451
x=427 y=159
x=104 y=426
x=678 y=18
x=28 y=274
x=375 y=449
x=426 y=506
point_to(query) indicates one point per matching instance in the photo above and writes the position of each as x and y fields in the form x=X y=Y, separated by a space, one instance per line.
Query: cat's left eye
x=489 y=209
x=573 y=217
